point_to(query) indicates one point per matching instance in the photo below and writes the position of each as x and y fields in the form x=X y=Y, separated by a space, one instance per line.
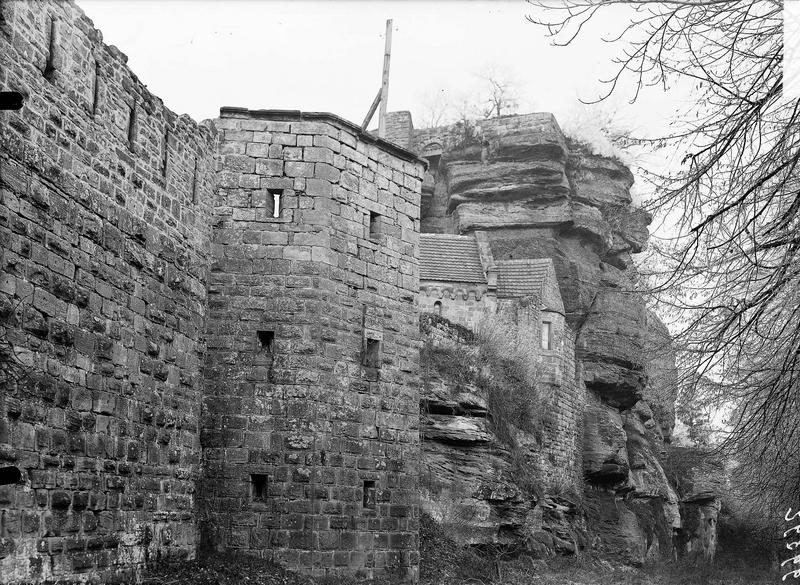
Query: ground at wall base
x=443 y=563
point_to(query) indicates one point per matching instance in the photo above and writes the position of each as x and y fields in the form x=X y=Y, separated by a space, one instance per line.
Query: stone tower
x=310 y=436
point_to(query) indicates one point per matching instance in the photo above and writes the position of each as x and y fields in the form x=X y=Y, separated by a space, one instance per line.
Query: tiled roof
x=450 y=258
x=520 y=278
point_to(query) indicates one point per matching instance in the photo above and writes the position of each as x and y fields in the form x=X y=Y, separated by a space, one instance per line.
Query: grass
x=443 y=563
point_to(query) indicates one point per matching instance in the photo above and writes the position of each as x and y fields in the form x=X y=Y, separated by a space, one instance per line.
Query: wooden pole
x=372 y=109
x=385 y=81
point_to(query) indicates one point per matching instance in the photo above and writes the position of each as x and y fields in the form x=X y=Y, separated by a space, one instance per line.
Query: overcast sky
x=327 y=56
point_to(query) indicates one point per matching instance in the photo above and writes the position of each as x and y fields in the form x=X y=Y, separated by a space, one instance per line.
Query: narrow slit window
x=267 y=340
x=374 y=225
x=96 y=89
x=547 y=335
x=369 y=499
x=258 y=487
x=276 y=195
x=52 y=46
x=194 y=181
x=437 y=308
x=132 y=127
x=165 y=153
x=372 y=353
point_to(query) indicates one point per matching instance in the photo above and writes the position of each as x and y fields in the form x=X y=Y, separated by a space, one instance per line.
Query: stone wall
x=104 y=242
x=555 y=454
x=311 y=438
x=463 y=304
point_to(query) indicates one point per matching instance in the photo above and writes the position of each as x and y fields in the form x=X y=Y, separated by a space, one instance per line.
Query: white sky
x=328 y=56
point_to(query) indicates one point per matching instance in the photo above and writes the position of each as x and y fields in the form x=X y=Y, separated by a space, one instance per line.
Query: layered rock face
x=481 y=477
x=534 y=193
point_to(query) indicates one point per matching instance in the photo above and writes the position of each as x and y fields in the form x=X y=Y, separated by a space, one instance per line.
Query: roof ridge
x=445 y=236
x=525 y=261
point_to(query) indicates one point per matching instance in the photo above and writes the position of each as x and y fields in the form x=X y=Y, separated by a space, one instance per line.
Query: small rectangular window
x=267 y=340
x=372 y=350
x=374 y=225
x=258 y=487
x=547 y=335
x=369 y=499
x=276 y=194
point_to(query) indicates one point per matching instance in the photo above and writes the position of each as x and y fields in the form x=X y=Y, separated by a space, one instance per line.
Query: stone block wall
x=556 y=455
x=399 y=128
x=104 y=242
x=311 y=438
x=465 y=306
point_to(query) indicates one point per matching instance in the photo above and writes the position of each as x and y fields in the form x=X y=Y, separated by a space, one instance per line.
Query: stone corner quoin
x=210 y=332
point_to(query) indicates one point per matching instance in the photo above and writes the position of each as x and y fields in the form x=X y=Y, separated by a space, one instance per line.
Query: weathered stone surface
x=105 y=200
x=661 y=390
x=311 y=441
x=605 y=455
x=558 y=200
x=481 y=488
x=698 y=537
x=146 y=277
x=615 y=527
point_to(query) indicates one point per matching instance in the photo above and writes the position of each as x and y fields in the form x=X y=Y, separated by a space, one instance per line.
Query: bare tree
x=436 y=109
x=729 y=274
x=500 y=92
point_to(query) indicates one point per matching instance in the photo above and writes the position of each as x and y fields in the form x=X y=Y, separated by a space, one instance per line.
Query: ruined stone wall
x=311 y=438
x=104 y=239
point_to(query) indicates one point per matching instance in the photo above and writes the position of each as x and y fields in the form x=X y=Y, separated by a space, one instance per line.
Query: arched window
x=437 y=308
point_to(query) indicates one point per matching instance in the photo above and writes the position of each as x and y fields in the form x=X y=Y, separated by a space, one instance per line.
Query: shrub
x=507 y=359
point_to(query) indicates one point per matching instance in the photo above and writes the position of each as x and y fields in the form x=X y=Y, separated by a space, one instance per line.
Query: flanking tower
x=311 y=410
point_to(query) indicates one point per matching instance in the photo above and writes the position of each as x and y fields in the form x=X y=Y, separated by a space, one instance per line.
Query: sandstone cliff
x=533 y=193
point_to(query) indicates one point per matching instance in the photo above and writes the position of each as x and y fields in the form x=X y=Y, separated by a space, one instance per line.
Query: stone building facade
x=461 y=281
x=310 y=434
x=208 y=332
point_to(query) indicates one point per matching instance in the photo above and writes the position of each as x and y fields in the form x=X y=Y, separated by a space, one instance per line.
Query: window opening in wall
x=267 y=340
x=258 y=487
x=369 y=499
x=371 y=358
x=547 y=335
x=96 y=89
x=194 y=181
x=132 y=127
x=10 y=475
x=276 y=201
x=11 y=100
x=374 y=225
x=165 y=153
x=52 y=43
x=437 y=308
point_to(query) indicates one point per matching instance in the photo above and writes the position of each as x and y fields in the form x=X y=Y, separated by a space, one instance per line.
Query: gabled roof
x=521 y=278
x=450 y=258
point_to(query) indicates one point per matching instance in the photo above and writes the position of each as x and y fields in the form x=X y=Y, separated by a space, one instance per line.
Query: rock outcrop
x=533 y=193
x=475 y=479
